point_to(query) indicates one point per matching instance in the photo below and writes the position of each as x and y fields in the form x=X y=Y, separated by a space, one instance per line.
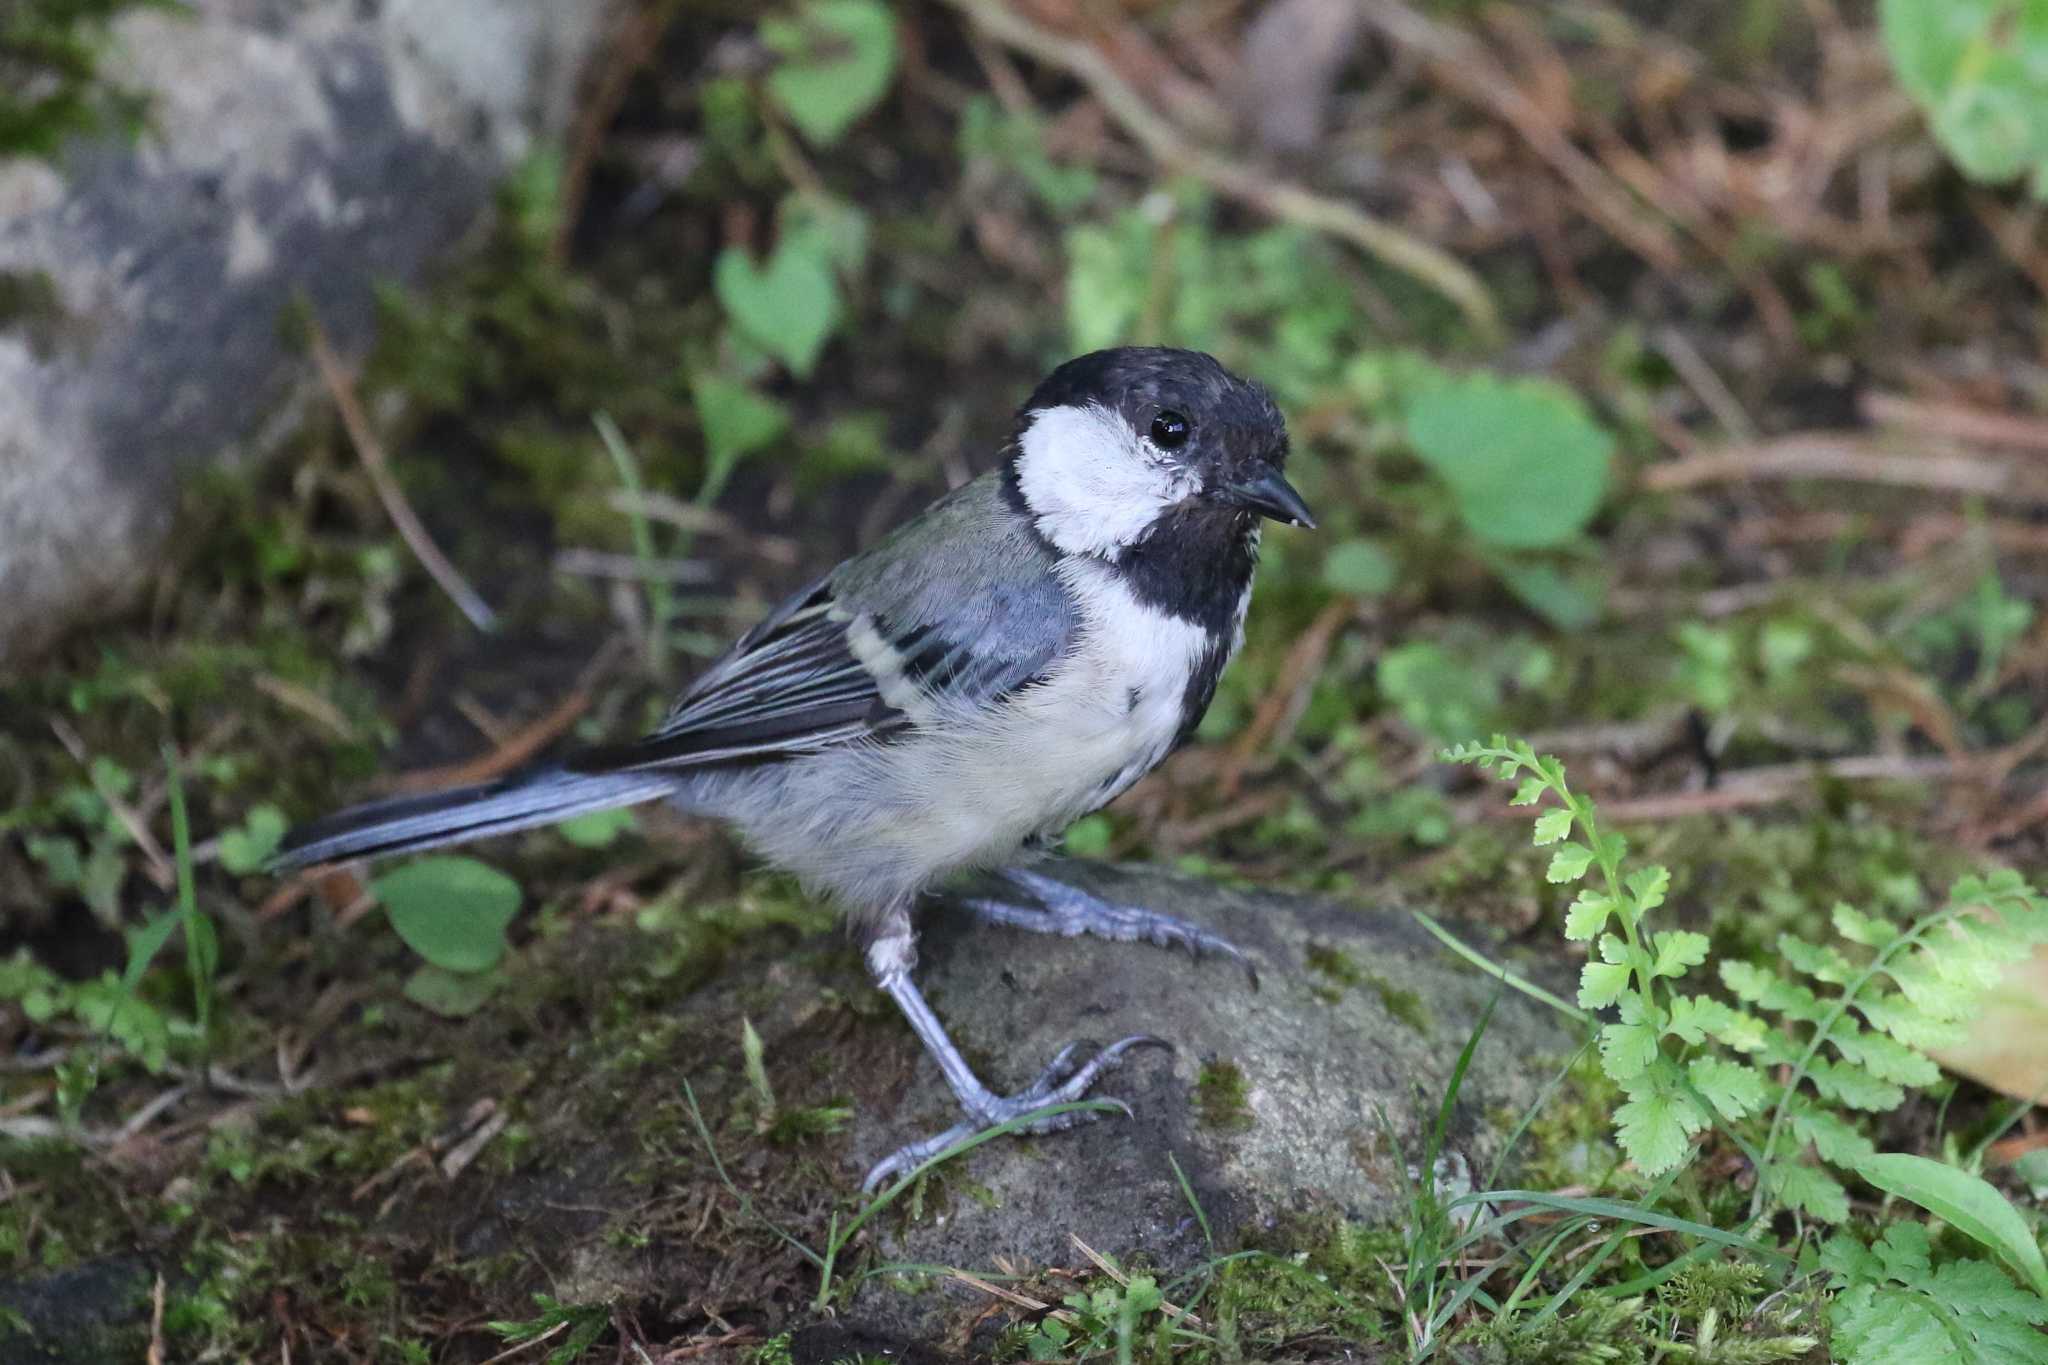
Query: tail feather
x=408 y=824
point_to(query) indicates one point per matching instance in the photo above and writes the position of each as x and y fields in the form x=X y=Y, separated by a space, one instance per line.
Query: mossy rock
x=612 y=1044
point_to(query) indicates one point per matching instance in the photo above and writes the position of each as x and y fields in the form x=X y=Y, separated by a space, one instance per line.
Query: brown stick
x=1957 y=421
x=159 y=866
x=1297 y=672
x=1465 y=65
x=1167 y=144
x=1823 y=455
x=371 y=452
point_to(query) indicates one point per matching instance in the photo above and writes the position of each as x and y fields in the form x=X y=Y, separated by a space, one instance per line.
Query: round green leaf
x=1361 y=566
x=837 y=57
x=1527 y=463
x=451 y=911
x=787 y=307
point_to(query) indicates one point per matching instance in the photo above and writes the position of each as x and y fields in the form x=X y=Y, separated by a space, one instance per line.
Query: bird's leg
x=1058 y=907
x=891 y=955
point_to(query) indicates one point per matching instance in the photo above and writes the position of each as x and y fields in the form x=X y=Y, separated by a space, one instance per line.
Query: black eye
x=1170 y=430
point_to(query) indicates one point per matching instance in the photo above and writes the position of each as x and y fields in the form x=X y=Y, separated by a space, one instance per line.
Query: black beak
x=1270 y=496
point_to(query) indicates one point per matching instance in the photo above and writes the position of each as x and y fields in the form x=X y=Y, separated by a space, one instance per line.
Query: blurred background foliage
x=1666 y=378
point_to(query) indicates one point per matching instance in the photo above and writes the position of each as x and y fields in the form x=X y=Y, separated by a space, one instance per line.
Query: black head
x=1116 y=445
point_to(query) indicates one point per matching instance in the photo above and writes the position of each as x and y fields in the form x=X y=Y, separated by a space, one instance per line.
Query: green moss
x=29 y=303
x=1337 y=969
x=50 y=90
x=1220 y=1096
x=1340 y=973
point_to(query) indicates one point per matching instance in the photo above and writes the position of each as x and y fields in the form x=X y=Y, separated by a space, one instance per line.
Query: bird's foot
x=1069 y=911
x=1060 y=1083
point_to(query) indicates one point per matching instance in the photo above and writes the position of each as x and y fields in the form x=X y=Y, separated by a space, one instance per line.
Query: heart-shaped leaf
x=242 y=850
x=789 y=306
x=837 y=57
x=1527 y=462
x=451 y=911
x=450 y=994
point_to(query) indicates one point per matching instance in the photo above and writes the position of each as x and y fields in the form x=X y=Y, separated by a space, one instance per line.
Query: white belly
x=875 y=823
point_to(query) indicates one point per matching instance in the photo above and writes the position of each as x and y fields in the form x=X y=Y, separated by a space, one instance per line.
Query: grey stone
x=296 y=148
x=1323 y=1050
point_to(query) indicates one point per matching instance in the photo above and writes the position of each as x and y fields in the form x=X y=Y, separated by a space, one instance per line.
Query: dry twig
x=357 y=423
x=158 y=865
x=1823 y=455
x=1167 y=144
x=1281 y=706
x=1957 y=421
x=1465 y=65
x=522 y=744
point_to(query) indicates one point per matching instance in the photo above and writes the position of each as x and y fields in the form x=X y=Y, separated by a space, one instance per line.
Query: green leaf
x=244 y=848
x=1882 y=1057
x=1734 y=1088
x=1857 y=927
x=1980 y=1288
x=1361 y=566
x=789 y=306
x=1569 y=863
x=1529 y=793
x=1656 y=1129
x=1677 y=950
x=837 y=58
x=1899 y=1017
x=836 y=227
x=1525 y=461
x=1762 y=986
x=452 y=995
x=1979 y=69
x=1569 y=600
x=1601 y=984
x=736 y=420
x=1105 y=286
x=1627 y=1049
x=1833 y=1138
x=1873 y=1326
x=1968 y=1203
x=1089 y=837
x=1798 y=1186
x=140 y=1027
x=1820 y=963
x=144 y=943
x=1740 y=1030
x=1847 y=1083
x=451 y=911
x=596 y=829
x=1648 y=885
x=1922 y=981
x=1587 y=915
x=1552 y=825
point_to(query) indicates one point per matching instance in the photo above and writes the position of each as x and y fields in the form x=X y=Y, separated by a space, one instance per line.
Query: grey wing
x=962 y=605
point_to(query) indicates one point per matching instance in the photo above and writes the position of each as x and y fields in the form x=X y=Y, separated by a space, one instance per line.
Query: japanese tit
x=949 y=700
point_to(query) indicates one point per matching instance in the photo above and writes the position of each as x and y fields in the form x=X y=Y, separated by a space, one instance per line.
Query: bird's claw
x=1059 y=1083
x=1068 y=911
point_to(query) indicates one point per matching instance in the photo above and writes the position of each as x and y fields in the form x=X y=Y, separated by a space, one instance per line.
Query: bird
x=945 y=703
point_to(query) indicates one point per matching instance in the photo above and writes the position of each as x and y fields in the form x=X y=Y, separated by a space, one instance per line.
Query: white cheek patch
x=1092 y=485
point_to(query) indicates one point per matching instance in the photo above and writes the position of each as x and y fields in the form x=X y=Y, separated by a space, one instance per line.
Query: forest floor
x=1768 y=583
